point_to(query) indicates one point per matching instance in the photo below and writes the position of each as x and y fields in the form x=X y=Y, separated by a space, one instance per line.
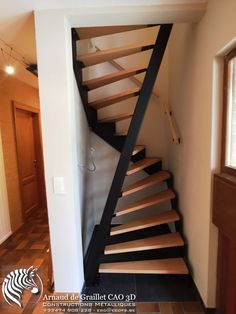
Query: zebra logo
x=19 y=280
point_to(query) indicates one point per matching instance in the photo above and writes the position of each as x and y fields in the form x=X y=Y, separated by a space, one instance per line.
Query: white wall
x=5 y=227
x=61 y=138
x=194 y=72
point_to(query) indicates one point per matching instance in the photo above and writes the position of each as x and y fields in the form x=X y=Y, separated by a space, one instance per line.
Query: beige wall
x=13 y=89
x=194 y=90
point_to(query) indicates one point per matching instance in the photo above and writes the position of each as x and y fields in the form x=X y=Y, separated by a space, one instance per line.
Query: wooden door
x=224 y=217
x=27 y=160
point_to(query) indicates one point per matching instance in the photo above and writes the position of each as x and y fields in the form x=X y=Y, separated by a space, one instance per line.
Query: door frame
x=223 y=216
x=38 y=151
x=5 y=224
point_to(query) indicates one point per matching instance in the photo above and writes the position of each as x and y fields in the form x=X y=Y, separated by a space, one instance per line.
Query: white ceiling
x=17 y=22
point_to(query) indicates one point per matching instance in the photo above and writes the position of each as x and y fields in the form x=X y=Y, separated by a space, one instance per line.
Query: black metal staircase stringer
x=91 y=113
x=91 y=268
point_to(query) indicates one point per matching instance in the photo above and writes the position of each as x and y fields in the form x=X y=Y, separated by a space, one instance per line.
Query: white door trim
x=5 y=226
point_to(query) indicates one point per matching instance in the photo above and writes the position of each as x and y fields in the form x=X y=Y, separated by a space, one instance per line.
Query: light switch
x=59 y=185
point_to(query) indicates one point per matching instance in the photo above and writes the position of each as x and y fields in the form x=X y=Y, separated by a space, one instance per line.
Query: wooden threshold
x=149 y=181
x=157 y=242
x=159 y=219
x=146 y=202
x=160 y=266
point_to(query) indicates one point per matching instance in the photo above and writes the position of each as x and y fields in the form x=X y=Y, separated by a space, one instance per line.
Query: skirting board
x=206 y=310
x=5 y=237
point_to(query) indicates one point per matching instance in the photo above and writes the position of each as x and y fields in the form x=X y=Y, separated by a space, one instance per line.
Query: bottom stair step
x=157 y=242
x=160 y=266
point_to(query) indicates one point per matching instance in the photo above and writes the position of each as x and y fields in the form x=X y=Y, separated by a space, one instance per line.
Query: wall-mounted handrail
x=171 y=122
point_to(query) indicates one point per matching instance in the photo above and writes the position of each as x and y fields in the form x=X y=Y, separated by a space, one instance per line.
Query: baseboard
x=5 y=237
x=206 y=310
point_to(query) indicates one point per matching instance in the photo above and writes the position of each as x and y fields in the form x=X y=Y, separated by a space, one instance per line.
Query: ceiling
x=17 y=23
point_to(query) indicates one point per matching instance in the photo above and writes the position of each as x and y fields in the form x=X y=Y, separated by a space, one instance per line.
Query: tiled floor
x=28 y=246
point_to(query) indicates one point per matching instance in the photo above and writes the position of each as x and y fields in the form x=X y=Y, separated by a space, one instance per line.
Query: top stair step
x=91 y=32
x=113 y=53
x=142 y=164
x=144 y=183
x=113 y=77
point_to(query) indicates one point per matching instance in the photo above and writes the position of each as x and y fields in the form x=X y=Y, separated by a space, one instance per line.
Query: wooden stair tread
x=113 y=53
x=149 y=181
x=159 y=219
x=116 y=118
x=113 y=77
x=157 y=242
x=142 y=164
x=107 y=101
x=159 y=266
x=146 y=202
x=91 y=32
x=137 y=149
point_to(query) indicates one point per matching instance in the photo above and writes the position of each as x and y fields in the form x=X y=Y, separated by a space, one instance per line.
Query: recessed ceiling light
x=9 y=69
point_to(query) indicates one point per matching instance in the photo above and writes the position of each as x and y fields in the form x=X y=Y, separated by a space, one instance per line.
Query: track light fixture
x=10 y=56
x=9 y=69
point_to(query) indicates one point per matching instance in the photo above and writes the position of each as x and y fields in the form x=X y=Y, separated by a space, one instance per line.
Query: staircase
x=140 y=246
